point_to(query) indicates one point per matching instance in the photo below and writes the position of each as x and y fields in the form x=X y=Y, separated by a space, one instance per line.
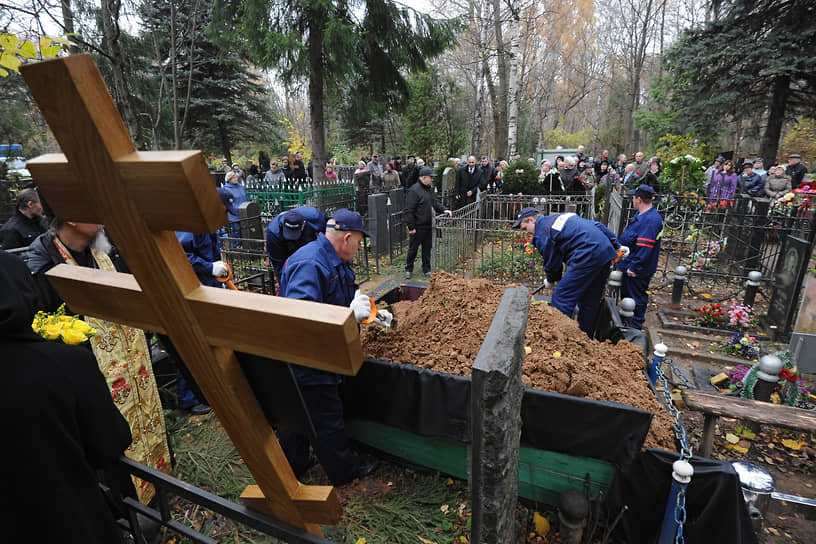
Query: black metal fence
x=478 y=241
x=719 y=243
x=167 y=487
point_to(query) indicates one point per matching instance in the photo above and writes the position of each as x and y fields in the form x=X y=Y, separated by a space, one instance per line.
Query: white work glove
x=625 y=251
x=384 y=319
x=547 y=284
x=361 y=306
x=219 y=269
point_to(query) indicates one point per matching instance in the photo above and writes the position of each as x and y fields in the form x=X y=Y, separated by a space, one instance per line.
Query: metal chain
x=679 y=373
x=680 y=515
x=679 y=428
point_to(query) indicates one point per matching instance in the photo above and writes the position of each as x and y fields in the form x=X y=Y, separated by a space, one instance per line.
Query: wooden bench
x=714 y=405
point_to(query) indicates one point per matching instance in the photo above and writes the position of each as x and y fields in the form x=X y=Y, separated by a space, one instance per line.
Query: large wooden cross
x=141 y=198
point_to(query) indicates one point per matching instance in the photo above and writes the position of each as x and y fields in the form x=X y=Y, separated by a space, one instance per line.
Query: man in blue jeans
x=586 y=247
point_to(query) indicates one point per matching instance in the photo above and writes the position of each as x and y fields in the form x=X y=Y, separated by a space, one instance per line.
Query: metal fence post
x=677 y=288
x=614 y=284
x=627 y=311
x=675 y=517
x=751 y=288
x=657 y=360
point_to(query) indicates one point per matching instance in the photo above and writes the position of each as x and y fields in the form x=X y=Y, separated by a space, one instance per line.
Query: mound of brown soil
x=445 y=328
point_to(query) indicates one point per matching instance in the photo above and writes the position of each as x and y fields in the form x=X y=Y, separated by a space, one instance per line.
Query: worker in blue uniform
x=321 y=271
x=586 y=247
x=204 y=253
x=643 y=234
x=291 y=230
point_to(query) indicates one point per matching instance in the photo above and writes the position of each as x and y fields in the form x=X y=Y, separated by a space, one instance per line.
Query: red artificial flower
x=786 y=374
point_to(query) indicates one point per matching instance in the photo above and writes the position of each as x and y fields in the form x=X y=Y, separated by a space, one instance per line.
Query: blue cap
x=348 y=220
x=524 y=214
x=427 y=171
x=292 y=225
x=643 y=191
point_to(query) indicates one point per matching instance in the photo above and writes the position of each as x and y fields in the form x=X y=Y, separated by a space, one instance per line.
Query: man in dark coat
x=27 y=222
x=795 y=170
x=61 y=427
x=467 y=182
x=488 y=174
x=420 y=204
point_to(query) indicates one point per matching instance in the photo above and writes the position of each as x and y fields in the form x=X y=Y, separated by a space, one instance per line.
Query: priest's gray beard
x=102 y=243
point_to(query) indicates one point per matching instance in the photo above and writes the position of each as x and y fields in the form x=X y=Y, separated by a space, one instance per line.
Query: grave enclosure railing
x=478 y=241
x=720 y=243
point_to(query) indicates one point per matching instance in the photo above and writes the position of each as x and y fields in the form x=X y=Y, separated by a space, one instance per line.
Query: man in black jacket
x=488 y=174
x=27 y=222
x=420 y=203
x=467 y=182
x=796 y=170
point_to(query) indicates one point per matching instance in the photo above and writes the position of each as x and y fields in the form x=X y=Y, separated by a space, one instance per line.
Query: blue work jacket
x=280 y=249
x=642 y=236
x=202 y=251
x=567 y=238
x=239 y=195
x=315 y=272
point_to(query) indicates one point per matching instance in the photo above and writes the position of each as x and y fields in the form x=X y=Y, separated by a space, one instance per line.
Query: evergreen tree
x=434 y=119
x=323 y=42
x=207 y=96
x=757 y=57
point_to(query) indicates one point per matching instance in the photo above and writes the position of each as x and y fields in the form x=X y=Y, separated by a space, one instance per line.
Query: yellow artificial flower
x=81 y=326
x=50 y=332
x=73 y=337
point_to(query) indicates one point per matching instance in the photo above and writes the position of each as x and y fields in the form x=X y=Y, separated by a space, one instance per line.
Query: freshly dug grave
x=445 y=328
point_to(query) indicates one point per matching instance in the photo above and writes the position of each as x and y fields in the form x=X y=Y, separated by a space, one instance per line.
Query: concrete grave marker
x=141 y=198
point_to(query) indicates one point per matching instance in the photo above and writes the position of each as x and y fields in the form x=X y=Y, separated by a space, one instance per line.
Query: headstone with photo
x=788 y=277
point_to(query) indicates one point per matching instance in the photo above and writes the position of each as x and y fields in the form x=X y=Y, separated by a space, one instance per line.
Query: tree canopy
x=755 y=61
x=322 y=41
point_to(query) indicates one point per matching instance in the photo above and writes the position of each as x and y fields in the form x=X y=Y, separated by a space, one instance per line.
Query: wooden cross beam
x=141 y=198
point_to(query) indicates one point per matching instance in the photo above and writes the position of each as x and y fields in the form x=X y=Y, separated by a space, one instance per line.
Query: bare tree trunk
x=776 y=118
x=480 y=89
x=174 y=76
x=68 y=22
x=512 y=86
x=121 y=94
x=316 y=82
x=501 y=61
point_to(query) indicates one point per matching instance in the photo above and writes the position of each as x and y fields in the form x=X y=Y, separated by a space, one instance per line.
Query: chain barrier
x=685 y=450
x=680 y=515
x=679 y=429
x=679 y=374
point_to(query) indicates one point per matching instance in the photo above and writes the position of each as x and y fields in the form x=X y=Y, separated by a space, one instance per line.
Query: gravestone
x=788 y=276
x=118 y=188
x=447 y=186
x=362 y=187
x=803 y=340
x=497 y=391
x=250 y=215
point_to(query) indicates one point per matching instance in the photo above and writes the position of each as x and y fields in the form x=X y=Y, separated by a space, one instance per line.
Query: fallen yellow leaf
x=557 y=354
x=731 y=438
x=463 y=539
x=542 y=525
x=737 y=448
x=705 y=295
x=449 y=481
x=528 y=350
x=360 y=541
x=795 y=445
x=444 y=508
